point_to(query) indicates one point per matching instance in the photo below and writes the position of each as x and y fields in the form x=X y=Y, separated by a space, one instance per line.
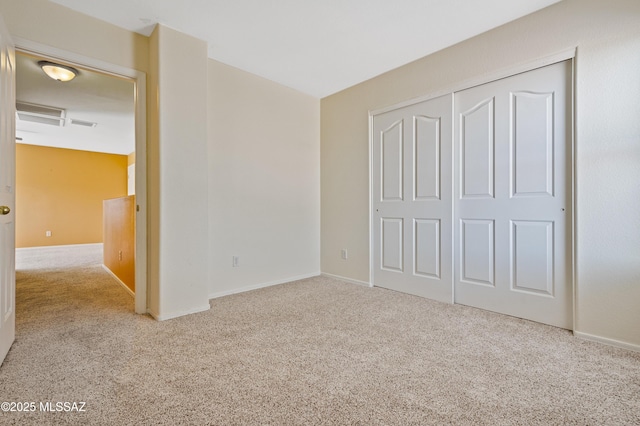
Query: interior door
x=7 y=196
x=512 y=196
x=411 y=199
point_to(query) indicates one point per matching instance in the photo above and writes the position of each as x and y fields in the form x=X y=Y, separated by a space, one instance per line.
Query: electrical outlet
x=47 y=233
x=235 y=261
x=344 y=254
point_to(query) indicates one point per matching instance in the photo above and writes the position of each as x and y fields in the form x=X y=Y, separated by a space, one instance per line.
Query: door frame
x=140 y=104
x=568 y=54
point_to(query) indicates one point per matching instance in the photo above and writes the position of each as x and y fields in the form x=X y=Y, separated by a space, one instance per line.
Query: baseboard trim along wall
x=172 y=315
x=262 y=285
x=606 y=341
x=118 y=280
x=349 y=280
x=58 y=246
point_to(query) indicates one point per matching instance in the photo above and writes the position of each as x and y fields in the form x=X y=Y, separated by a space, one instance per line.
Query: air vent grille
x=40 y=114
x=82 y=123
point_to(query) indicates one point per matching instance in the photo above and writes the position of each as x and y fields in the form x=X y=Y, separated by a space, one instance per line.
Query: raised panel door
x=411 y=191
x=513 y=200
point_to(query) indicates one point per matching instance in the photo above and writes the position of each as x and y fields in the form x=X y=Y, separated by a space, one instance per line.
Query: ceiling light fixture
x=58 y=72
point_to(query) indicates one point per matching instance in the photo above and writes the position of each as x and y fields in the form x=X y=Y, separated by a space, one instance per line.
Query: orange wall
x=61 y=190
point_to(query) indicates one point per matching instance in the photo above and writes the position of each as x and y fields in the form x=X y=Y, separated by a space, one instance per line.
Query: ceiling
x=316 y=47
x=91 y=97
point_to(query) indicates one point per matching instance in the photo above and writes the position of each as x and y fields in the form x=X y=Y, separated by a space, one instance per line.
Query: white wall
x=607 y=35
x=264 y=181
x=178 y=174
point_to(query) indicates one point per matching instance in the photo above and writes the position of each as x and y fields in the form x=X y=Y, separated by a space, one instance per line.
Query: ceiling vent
x=82 y=123
x=51 y=116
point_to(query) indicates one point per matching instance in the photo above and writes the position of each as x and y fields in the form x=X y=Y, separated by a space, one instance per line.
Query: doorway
x=136 y=81
x=493 y=229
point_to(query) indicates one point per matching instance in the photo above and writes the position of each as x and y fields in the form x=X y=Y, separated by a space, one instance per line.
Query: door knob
x=4 y=210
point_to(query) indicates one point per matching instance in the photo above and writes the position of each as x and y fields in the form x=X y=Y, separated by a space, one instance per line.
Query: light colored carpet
x=312 y=352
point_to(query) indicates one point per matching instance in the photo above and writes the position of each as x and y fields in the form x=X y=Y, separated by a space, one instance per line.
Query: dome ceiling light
x=58 y=72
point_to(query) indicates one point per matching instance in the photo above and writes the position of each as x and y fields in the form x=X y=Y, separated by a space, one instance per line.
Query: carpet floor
x=311 y=352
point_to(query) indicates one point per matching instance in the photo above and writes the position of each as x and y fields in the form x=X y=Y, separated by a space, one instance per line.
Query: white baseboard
x=59 y=246
x=607 y=341
x=118 y=280
x=349 y=280
x=261 y=285
x=177 y=314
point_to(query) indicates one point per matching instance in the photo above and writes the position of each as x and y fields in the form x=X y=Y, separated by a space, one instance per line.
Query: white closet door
x=411 y=220
x=512 y=221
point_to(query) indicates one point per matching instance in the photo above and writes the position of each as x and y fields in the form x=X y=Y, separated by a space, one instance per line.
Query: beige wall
x=48 y=23
x=264 y=181
x=61 y=190
x=177 y=174
x=153 y=178
x=607 y=36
